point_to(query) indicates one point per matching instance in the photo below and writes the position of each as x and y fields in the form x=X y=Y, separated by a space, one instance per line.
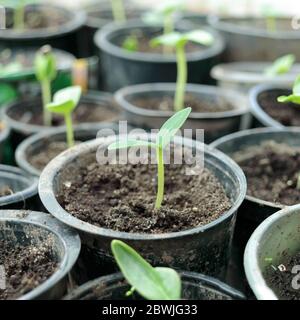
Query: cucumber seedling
x=118 y=10
x=45 y=71
x=179 y=41
x=64 y=103
x=163 y=138
x=151 y=283
x=281 y=65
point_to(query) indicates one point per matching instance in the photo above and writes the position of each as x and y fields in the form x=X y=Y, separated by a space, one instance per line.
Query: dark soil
x=281 y=281
x=26 y=267
x=287 y=114
x=6 y=191
x=122 y=197
x=166 y=103
x=272 y=170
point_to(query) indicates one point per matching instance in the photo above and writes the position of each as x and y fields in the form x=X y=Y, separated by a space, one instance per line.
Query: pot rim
x=102 y=41
x=68 y=237
x=77 y=19
x=240 y=103
x=5 y=132
x=48 y=197
x=209 y=281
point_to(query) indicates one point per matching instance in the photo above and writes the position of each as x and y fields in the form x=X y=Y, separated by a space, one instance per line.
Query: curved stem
x=160 y=177
x=118 y=10
x=181 y=77
x=46 y=96
x=69 y=128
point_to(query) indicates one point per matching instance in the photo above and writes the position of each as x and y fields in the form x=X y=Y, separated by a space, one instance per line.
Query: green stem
x=69 y=128
x=118 y=10
x=271 y=24
x=168 y=28
x=46 y=95
x=19 y=16
x=181 y=77
x=160 y=177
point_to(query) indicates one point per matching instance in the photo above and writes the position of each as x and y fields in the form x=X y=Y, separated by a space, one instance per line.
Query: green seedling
x=131 y=43
x=45 y=71
x=179 y=41
x=151 y=283
x=118 y=10
x=64 y=103
x=164 y=136
x=281 y=66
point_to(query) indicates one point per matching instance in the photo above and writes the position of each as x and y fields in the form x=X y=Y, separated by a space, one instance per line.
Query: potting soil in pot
x=288 y=114
x=282 y=279
x=272 y=171
x=26 y=266
x=122 y=197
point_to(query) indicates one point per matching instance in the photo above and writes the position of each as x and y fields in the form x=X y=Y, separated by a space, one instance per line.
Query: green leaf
x=124 y=144
x=296 y=87
x=291 y=98
x=149 y=282
x=45 y=64
x=172 y=39
x=281 y=66
x=169 y=7
x=201 y=37
x=131 y=43
x=171 y=126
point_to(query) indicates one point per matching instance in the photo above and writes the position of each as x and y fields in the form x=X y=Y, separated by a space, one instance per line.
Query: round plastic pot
x=261 y=117
x=242 y=76
x=122 y=68
x=37 y=142
x=4 y=135
x=24 y=186
x=62 y=37
x=205 y=249
x=277 y=237
x=194 y=287
x=24 y=227
x=21 y=130
x=247 y=41
x=253 y=210
x=214 y=124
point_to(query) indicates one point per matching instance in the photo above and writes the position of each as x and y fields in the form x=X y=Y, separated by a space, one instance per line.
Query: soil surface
x=272 y=171
x=122 y=197
x=166 y=103
x=281 y=281
x=287 y=114
x=6 y=191
x=26 y=267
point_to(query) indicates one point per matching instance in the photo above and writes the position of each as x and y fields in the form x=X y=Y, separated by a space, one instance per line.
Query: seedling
x=151 y=283
x=270 y=14
x=64 y=102
x=45 y=71
x=131 y=43
x=294 y=98
x=179 y=41
x=163 y=138
x=281 y=66
x=117 y=7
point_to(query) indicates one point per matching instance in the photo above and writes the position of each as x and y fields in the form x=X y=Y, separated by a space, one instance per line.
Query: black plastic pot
x=204 y=249
x=121 y=68
x=21 y=130
x=34 y=227
x=24 y=187
x=4 y=135
x=37 y=142
x=194 y=287
x=63 y=37
x=247 y=38
x=214 y=124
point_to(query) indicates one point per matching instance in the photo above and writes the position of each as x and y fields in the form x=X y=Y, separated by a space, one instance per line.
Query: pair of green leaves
x=45 y=64
x=281 y=66
x=151 y=283
x=295 y=96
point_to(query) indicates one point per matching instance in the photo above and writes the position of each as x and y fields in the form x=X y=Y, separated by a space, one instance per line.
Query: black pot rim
x=231 y=27
x=20 y=154
x=76 y=21
x=257 y=132
x=28 y=192
x=102 y=41
x=216 y=284
x=257 y=111
x=120 y=97
x=68 y=238
x=48 y=197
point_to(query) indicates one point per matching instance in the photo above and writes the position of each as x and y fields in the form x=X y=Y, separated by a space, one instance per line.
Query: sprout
x=131 y=43
x=151 y=283
x=281 y=65
x=45 y=71
x=118 y=10
x=163 y=138
x=64 y=102
x=179 y=41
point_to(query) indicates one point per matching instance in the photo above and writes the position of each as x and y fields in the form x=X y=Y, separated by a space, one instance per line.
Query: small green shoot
x=270 y=15
x=131 y=43
x=281 y=65
x=45 y=71
x=164 y=136
x=151 y=283
x=179 y=41
x=64 y=102
x=118 y=10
